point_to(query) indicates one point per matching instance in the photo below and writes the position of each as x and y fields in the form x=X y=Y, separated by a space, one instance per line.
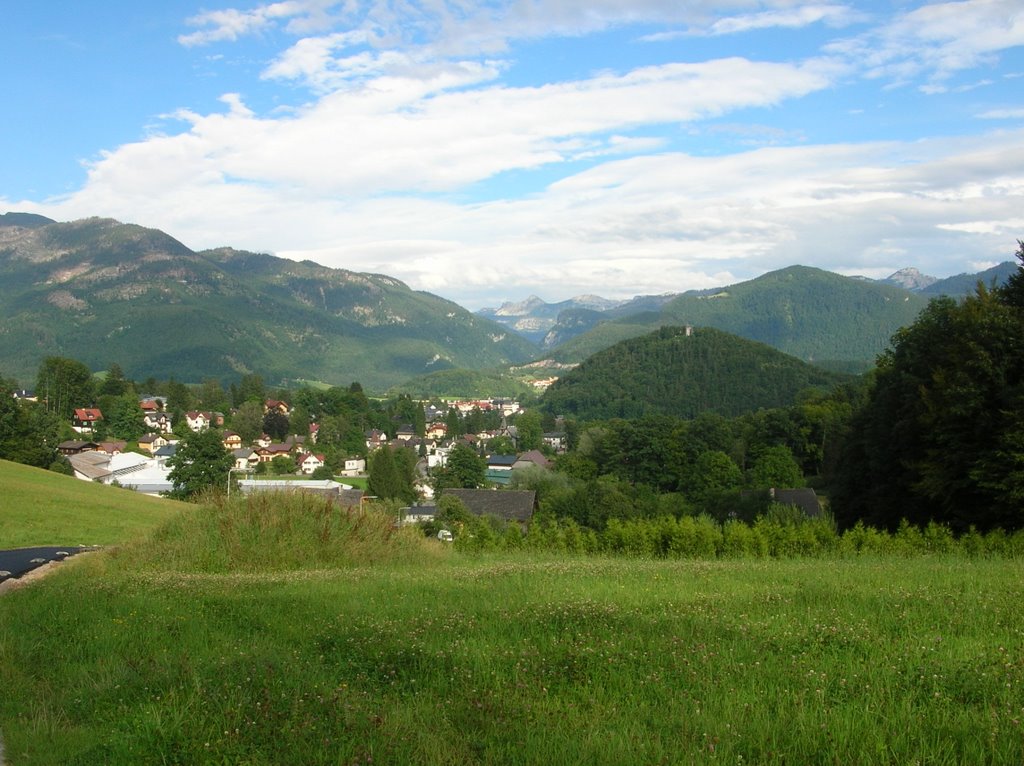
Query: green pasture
x=275 y=631
x=40 y=507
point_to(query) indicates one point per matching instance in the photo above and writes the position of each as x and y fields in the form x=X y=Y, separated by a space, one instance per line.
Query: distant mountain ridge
x=788 y=309
x=910 y=279
x=101 y=291
x=535 y=318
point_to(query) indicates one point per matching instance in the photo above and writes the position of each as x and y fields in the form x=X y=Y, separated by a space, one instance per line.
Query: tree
x=212 y=396
x=247 y=422
x=464 y=468
x=200 y=463
x=114 y=384
x=713 y=473
x=179 y=398
x=283 y=465
x=776 y=467
x=64 y=384
x=939 y=437
x=276 y=425
x=250 y=389
x=28 y=433
x=388 y=479
x=529 y=432
x=124 y=417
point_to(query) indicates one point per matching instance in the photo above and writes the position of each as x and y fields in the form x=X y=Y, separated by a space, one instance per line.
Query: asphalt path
x=15 y=563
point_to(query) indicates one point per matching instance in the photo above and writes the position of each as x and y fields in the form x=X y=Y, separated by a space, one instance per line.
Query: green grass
x=40 y=507
x=283 y=631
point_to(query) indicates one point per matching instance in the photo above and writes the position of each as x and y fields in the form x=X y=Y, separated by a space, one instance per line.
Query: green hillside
x=449 y=384
x=102 y=292
x=40 y=507
x=965 y=284
x=668 y=372
x=808 y=313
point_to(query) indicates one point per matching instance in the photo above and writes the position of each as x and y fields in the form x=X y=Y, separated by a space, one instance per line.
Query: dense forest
x=674 y=371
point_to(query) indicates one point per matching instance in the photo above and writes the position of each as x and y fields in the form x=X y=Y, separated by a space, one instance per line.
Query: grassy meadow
x=40 y=507
x=278 y=631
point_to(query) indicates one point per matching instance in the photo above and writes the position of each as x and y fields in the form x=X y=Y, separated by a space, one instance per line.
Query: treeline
x=779 y=533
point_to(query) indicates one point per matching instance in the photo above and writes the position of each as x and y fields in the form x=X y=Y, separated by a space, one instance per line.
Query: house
x=263 y=441
x=152 y=442
x=405 y=433
x=149 y=405
x=436 y=431
x=507 y=406
x=308 y=462
x=158 y=422
x=375 y=439
x=556 y=440
x=85 y=419
x=314 y=432
x=112 y=447
x=273 y=405
x=245 y=459
x=417 y=514
x=500 y=462
x=72 y=447
x=90 y=466
x=506 y=504
x=532 y=458
x=199 y=421
x=803 y=498
x=168 y=450
x=353 y=466
x=268 y=453
x=231 y=440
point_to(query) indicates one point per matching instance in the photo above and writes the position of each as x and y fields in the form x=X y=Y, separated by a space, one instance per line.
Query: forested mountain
x=966 y=284
x=669 y=372
x=101 y=291
x=812 y=314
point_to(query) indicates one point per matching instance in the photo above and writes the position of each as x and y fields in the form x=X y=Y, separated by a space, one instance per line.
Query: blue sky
x=487 y=151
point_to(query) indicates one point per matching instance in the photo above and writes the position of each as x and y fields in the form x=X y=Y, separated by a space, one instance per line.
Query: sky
x=487 y=151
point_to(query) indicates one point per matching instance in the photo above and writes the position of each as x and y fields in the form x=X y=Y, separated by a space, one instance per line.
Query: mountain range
x=813 y=314
x=101 y=292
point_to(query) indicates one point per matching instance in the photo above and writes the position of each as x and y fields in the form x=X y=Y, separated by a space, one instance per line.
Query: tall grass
x=271 y=531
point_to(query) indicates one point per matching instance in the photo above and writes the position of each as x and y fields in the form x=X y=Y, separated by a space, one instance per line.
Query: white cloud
x=649 y=224
x=416 y=135
x=937 y=40
x=788 y=18
x=1002 y=114
x=231 y=24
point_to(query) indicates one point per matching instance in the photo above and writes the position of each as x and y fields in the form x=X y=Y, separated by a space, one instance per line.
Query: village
x=294 y=463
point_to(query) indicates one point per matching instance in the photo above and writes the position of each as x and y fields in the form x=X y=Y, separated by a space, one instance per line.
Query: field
x=43 y=508
x=264 y=634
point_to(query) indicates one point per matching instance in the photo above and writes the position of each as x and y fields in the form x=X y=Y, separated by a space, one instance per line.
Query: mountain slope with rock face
x=101 y=292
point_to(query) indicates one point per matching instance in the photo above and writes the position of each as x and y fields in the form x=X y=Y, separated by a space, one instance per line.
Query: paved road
x=17 y=562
